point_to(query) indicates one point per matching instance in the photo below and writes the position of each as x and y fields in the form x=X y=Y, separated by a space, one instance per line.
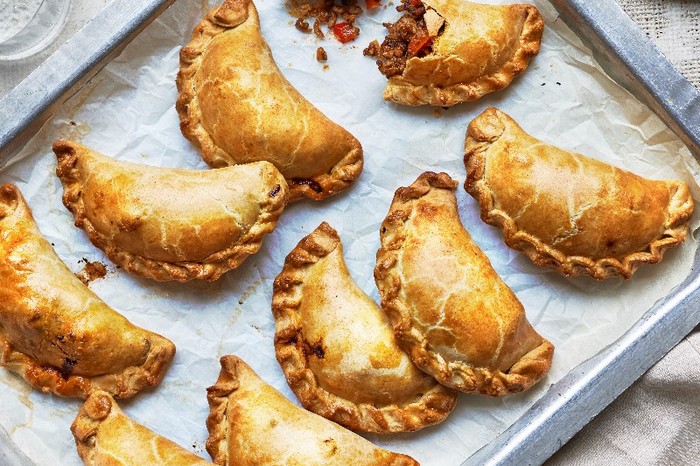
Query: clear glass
x=29 y=26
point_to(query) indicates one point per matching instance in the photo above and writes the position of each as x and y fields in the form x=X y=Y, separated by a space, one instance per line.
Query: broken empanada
x=104 y=435
x=56 y=333
x=237 y=107
x=251 y=423
x=170 y=224
x=337 y=349
x=567 y=211
x=444 y=52
x=450 y=311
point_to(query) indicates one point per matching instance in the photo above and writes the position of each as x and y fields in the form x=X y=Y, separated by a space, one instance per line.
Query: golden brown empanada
x=104 y=435
x=450 y=310
x=564 y=210
x=237 y=107
x=457 y=51
x=56 y=333
x=170 y=224
x=251 y=423
x=337 y=349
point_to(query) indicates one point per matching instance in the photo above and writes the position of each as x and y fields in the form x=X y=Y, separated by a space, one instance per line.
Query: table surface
x=628 y=431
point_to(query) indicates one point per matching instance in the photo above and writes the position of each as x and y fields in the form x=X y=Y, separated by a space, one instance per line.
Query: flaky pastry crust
x=572 y=213
x=337 y=349
x=481 y=50
x=237 y=107
x=104 y=435
x=251 y=423
x=56 y=333
x=170 y=224
x=450 y=311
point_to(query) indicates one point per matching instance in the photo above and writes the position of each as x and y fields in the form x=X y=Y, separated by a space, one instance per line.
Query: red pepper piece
x=344 y=32
x=372 y=4
x=418 y=43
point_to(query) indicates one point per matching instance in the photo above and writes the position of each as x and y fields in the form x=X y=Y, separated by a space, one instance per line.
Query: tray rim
x=620 y=48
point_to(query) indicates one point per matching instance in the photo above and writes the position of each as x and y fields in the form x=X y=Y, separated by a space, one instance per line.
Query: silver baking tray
x=621 y=49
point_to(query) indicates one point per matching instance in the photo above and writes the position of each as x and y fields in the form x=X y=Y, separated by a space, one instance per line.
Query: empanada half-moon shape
x=338 y=351
x=479 y=49
x=567 y=211
x=237 y=107
x=450 y=310
x=170 y=224
x=104 y=435
x=251 y=423
x=56 y=333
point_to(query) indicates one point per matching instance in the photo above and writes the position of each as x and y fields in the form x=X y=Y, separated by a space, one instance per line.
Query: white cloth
x=657 y=420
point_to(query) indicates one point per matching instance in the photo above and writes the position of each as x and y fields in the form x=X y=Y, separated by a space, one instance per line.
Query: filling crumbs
x=339 y=18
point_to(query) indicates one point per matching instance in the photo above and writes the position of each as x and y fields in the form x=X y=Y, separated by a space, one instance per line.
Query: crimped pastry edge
x=681 y=207
x=67 y=153
x=49 y=379
x=527 y=371
x=228 y=16
x=433 y=407
x=400 y=91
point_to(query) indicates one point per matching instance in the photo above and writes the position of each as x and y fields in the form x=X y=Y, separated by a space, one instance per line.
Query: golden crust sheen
x=567 y=211
x=251 y=423
x=237 y=107
x=481 y=50
x=54 y=332
x=104 y=435
x=170 y=224
x=450 y=311
x=337 y=349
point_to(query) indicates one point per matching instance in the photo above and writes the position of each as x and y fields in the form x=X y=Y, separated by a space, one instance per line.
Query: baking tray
x=621 y=49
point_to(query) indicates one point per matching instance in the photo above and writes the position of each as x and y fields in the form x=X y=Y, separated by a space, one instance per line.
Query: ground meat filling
x=406 y=38
x=324 y=12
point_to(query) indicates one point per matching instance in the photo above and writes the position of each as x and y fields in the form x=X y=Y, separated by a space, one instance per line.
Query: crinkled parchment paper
x=127 y=111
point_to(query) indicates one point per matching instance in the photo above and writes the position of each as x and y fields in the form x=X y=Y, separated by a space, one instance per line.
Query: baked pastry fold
x=476 y=49
x=170 y=224
x=337 y=349
x=56 y=333
x=575 y=214
x=104 y=435
x=450 y=311
x=237 y=107
x=251 y=423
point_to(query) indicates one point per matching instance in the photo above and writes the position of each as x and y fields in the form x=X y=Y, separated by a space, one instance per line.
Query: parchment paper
x=127 y=111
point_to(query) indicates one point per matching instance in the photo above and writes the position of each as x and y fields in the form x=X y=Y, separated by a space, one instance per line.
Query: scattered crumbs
x=543 y=84
x=53 y=244
x=558 y=83
x=73 y=123
x=326 y=67
x=197 y=447
x=91 y=271
x=437 y=113
x=321 y=55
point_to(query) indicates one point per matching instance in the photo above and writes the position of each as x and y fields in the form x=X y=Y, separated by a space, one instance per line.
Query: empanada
x=104 y=435
x=450 y=310
x=56 y=333
x=251 y=423
x=337 y=349
x=444 y=52
x=567 y=211
x=170 y=224
x=237 y=107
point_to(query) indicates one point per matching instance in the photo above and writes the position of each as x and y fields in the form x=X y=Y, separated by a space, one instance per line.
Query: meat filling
x=325 y=12
x=411 y=36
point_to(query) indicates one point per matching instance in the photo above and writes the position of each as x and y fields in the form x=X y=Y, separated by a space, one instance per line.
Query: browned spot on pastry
x=310 y=183
x=67 y=367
